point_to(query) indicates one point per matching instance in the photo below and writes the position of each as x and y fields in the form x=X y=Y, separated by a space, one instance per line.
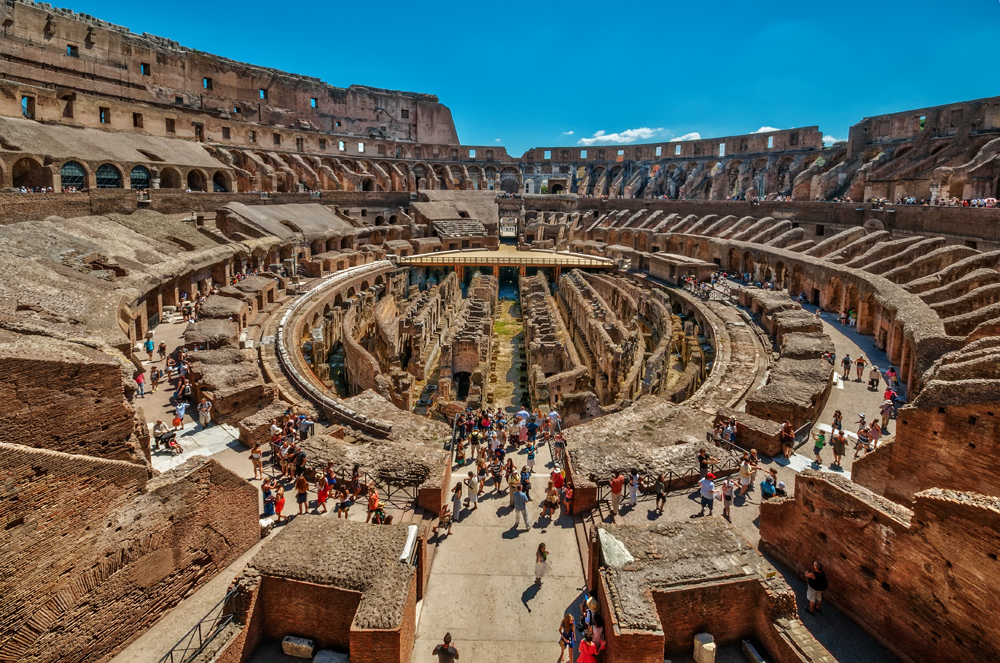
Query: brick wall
x=627 y=645
x=94 y=551
x=388 y=646
x=584 y=490
x=953 y=446
x=73 y=402
x=319 y=612
x=918 y=581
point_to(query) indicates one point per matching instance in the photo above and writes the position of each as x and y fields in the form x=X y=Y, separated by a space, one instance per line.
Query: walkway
x=507 y=256
x=482 y=588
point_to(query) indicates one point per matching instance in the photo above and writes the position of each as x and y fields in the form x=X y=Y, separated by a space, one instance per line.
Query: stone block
x=704 y=648
x=298 y=647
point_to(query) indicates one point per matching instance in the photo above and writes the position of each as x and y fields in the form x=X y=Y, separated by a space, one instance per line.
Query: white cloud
x=568 y=133
x=694 y=135
x=765 y=130
x=498 y=140
x=830 y=140
x=627 y=136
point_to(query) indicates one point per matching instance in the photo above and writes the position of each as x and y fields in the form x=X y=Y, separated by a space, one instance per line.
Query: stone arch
x=109 y=176
x=379 y=220
x=139 y=177
x=196 y=180
x=393 y=220
x=221 y=182
x=380 y=279
x=510 y=179
x=780 y=275
x=170 y=178
x=832 y=300
x=747 y=264
x=73 y=174
x=29 y=172
x=368 y=184
x=733 y=262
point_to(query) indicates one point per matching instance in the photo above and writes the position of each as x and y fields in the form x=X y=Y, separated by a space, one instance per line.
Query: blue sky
x=528 y=73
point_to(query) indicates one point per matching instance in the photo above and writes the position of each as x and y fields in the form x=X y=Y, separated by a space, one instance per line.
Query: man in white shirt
x=473 y=484
x=707 y=493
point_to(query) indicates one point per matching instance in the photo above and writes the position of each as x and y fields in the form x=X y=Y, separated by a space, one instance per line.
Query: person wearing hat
x=780 y=490
x=707 y=490
x=873 y=378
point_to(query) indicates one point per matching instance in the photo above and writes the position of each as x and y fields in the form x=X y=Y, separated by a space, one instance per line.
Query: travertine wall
x=88 y=570
x=917 y=580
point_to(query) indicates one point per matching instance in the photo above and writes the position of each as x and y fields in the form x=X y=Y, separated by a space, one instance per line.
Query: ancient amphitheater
x=303 y=249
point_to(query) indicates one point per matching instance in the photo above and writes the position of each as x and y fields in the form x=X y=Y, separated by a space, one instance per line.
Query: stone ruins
x=337 y=254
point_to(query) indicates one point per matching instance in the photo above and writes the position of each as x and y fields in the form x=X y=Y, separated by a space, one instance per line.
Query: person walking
x=567 y=637
x=154 y=379
x=541 y=563
x=373 y=501
x=859 y=367
x=661 y=493
x=140 y=381
x=205 y=412
x=150 y=347
x=520 y=508
x=617 y=484
x=873 y=379
x=820 y=442
x=446 y=651
x=707 y=491
x=816 y=585
x=728 y=491
x=162 y=350
x=179 y=411
x=885 y=411
x=846 y=362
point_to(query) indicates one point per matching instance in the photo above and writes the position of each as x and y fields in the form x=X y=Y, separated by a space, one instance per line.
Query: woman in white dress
x=633 y=487
x=541 y=563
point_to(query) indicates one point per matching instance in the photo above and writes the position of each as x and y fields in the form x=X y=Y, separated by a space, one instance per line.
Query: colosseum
x=213 y=270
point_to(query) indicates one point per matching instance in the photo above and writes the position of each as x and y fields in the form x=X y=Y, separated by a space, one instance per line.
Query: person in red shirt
x=617 y=484
x=588 y=648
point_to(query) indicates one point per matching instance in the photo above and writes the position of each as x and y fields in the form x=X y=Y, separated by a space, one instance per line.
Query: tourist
x=820 y=442
x=874 y=434
x=446 y=652
x=302 y=493
x=843 y=317
x=617 y=484
x=162 y=350
x=526 y=481
x=474 y=442
x=863 y=440
x=150 y=347
x=532 y=448
x=541 y=563
x=633 y=487
x=140 y=381
x=852 y=318
x=343 y=502
x=256 y=456
x=891 y=379
x=568 y=497
x=322 y=493
x=205 y=412
x=707 y=490
x=838 y=421
x=846 y=364
x=298 y=459
x=589 y=649
x=444 y=522
x=373 y=501
x=551 y=503
x=661 y=493
x=521 y=508
x=179 y=411
x=481 y=473
x=161 y=433
x=472 y=500
x=513 y=480
x=859 y=366
x=459 y=453
x=567 y=636
x=768 y=487
x=304 y=425
x=873 y=379
x=746 y=474
x=839 y=447
x=279 y=503
x=267 y=489
x=787 y=434
x=728 y=492
x=886 y=410
x=817 y=584
x=704 y=462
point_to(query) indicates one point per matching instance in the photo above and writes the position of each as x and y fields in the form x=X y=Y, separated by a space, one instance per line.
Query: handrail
x=184 y=651
x=647 y=485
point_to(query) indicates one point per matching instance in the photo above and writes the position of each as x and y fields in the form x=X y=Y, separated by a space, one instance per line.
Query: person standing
x=885 y=410
x=302 y=493
x=728 y=491
x=589 y=649
x=746 y=474
x=845 y=363
x=162 y=350
x=859 y=367
x=150 y=347
x=705 y=460
x=205 y=412
x=567 y=636
x=839 y=447
x=661 y=493
x=532 y=448
x=787 y=439
x=617 y=485
x=633 y=487
x=873 y=379
x=875 y=434
x=140 y=381
x=456 y=501
x=279 y=503
x=256 y=458
x=541 y=563
x=707 y=490
x=179 y=411
x=820 y=442
x=154 y=379
x=473 y=495
x=520 y=508
x=373 y=501
x=446 y=651
x=817 y=584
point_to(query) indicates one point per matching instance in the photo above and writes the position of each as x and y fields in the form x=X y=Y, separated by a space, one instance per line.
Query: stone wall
x=139 y=546
x=917 y=580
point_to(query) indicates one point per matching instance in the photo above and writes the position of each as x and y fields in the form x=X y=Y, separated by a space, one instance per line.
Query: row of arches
x=31 y=173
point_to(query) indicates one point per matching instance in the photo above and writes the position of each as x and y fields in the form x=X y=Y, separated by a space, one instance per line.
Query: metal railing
x=194 y=642
x=472 y=260
x=674 y=481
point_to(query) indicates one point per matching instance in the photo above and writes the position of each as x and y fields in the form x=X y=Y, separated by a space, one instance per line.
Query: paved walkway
x=482 y=588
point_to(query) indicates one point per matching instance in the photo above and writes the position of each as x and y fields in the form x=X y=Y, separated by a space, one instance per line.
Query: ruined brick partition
x=320 y=612
x=93 y=551
x=922 y=582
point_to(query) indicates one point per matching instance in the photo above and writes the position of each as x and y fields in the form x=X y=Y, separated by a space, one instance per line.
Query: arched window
x=108 y=177
x=139 y=177
x=72 y=175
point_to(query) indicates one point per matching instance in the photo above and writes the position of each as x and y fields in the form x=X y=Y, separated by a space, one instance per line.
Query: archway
x=220 y=183
x=29 y=173
x=108 y=177
x=462 y=381
x=170 y=179
x=196 y=180
x=556 y=189
x=139 y=178
x=368 y=185
x=73 y=176
x=509 y=186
